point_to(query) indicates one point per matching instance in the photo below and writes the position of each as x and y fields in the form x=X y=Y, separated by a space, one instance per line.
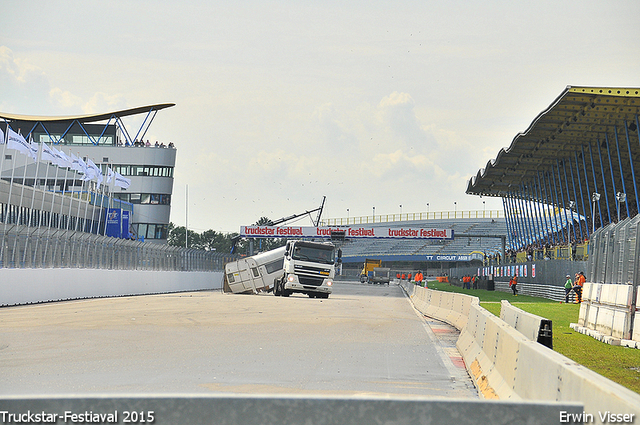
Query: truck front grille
x=310 y=280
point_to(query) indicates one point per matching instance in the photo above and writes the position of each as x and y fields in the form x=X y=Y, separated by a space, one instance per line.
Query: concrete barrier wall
x=507 y=365
x=27 y=286
x=606 y=313
x=448 y=307
x=526 y=323
x=200 y=409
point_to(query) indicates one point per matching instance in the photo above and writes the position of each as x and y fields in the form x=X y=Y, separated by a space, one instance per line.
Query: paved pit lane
x=364 y=340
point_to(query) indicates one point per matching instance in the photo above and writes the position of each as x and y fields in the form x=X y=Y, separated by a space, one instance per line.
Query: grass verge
x=620 y=364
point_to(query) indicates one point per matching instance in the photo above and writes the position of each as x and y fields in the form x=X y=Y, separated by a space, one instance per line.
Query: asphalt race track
x=363 y=341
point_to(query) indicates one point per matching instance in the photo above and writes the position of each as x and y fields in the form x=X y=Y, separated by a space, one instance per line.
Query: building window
x=141 y=170
x=152 y=231
x=144 y=198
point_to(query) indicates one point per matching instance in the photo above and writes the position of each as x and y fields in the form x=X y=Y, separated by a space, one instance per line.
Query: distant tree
x=210 y=240
x=177 y=237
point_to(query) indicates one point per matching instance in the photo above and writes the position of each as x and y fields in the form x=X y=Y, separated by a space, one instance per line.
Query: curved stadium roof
x=90 y=117
x=582 y=123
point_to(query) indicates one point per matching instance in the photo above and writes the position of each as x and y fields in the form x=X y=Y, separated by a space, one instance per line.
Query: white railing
x=389 y=218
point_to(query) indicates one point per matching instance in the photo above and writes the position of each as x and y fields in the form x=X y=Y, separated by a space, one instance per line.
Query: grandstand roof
x=90 y=117
x=580 y=119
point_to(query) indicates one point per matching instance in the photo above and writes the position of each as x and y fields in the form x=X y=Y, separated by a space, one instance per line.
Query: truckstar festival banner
x=349 y=232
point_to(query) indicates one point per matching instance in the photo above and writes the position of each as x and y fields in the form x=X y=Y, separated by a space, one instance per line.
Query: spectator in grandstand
x=513 y=283
x=568 y=286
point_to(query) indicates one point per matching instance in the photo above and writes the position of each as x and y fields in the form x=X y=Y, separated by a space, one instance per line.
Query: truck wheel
x=276 y=288
x=285 y=293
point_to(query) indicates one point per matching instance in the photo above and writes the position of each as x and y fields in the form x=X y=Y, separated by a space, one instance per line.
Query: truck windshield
x=313 y=253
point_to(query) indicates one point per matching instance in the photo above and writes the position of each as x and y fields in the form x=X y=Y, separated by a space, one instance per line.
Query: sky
x=392 y=105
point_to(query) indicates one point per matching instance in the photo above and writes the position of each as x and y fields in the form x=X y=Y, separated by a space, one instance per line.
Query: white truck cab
x=309 y=268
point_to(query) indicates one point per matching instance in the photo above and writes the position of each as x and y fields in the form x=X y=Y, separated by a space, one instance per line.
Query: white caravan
x=255 y=274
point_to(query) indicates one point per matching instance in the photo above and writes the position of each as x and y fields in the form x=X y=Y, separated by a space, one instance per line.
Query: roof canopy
x=579 y=123
x=89 y=118
x=81 y=120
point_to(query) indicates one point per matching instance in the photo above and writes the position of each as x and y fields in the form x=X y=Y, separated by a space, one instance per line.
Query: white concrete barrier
x=507 y=365
x=606 y=313
x=526 y=323
x=448 y=307
x=27 y=286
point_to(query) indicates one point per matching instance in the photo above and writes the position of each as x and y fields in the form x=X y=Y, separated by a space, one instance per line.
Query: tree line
x=210 y=240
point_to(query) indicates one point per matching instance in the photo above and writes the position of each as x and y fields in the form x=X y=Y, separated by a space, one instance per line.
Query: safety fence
x=615 y=251
x=24 y=247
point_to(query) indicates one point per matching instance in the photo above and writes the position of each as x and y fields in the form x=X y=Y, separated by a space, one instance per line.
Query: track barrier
x=281 y=410
x=507 y=365
x=534 y=327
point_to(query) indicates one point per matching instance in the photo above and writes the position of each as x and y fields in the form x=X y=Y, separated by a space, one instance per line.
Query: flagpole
x=33 y=199
x=35 y=182
x=186 y=218
x=24 y=183
x=53 y=203
x=41 y=213
x=5 y=138
x=17 y=225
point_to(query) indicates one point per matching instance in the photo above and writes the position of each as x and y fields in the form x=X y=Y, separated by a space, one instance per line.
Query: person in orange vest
x=419 y=278
x=579 y=282
x=409 y=277
x=513 y=283
x=404 y=276
x=398 y=276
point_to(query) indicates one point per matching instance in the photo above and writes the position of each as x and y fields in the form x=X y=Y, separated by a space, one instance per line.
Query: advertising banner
x=114 y=222
x=349 y=232
x=125 y=225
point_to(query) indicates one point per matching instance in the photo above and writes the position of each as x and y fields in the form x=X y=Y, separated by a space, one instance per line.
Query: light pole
x=374 y=214
x=620 y=198
x=347 y=215
x=594 y=198
x=484 y=209
x=400 y=212
x=571 y=205
x=455 y=210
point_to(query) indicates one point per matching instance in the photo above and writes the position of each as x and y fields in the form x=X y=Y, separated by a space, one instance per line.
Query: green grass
x=620 y=364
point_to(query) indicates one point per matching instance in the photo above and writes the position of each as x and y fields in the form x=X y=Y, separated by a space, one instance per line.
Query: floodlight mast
x=285 y=219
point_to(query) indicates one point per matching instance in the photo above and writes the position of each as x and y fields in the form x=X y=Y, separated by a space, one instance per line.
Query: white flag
x=17 y=142
x=1 y=137
x=110 y=175
x=47 y=153
x=97 y=173
x=62 y=160
x=121 y=181
x=34 y=149
x=75 y=163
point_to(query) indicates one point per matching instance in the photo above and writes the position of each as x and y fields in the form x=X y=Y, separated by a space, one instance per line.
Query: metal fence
x=24 y=247
x=615 y=250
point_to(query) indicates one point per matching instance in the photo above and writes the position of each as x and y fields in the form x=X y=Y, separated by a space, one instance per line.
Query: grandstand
x=422 y=250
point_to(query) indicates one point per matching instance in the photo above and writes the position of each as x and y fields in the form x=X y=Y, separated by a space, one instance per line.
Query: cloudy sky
x=278 y=103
